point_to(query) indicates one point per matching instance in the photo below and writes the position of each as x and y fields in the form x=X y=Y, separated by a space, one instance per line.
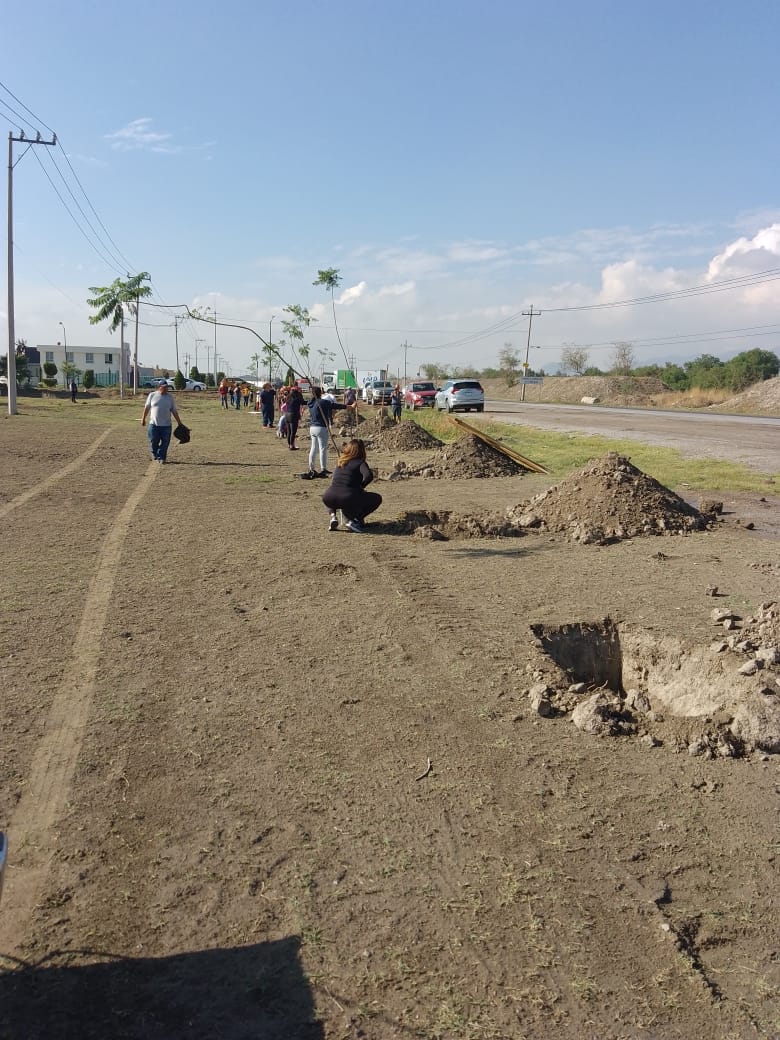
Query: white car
x=194 y=384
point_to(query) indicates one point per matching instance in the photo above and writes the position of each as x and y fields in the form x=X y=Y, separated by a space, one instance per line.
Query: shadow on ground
x=236 y=994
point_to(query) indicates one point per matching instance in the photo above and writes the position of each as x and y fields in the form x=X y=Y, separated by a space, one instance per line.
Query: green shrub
x=89 y=379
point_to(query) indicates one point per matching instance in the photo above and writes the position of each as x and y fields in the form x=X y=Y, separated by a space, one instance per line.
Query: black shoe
x=324 y=473
x=308 y=476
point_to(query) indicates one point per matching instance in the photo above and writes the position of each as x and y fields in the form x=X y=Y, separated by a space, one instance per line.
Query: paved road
x=751 y=440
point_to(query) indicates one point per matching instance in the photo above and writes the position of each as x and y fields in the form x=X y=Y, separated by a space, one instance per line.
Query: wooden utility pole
x=11 y=369
x=530 y=315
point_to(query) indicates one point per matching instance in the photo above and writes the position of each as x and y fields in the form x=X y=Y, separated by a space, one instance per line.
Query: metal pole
x=215 y=348
x=135 y=349
x=65 y=339
x=11 y=369
x=122 y=353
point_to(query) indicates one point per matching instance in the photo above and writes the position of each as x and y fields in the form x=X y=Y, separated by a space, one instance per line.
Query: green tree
x=220 y=376
x=752 y=366
x=436 y=373
x=50 y=370
x=675 y=377
x=331 y=280
x=112 y=302
x=179 y=382
x=20 y=363
x=294 y=327
x=69 y=371
x=89 y=379
x=705 y=372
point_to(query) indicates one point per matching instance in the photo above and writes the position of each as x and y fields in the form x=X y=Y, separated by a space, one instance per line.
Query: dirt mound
x=466 y=457
x=608 y=501
x=388 y=436
x=761 y=399
x=442 y=525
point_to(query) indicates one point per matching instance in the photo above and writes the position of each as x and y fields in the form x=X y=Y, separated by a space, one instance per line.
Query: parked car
x=194 y=384
x=379 y=391
x=461 y=395
x=419 y=395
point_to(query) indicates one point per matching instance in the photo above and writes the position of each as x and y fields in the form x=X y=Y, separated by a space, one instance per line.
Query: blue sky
x=457 y=162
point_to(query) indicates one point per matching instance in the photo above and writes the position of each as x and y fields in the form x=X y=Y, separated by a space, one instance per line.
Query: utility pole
x=405 y=346
x=11 y=369
x=197 y=341
x=186 y=361
x=215 y=348
x=530 y=315
x=176 y=333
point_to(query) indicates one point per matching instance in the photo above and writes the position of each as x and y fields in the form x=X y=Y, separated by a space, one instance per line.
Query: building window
x=108 y=358
x=49 y=355
x=90 y=358
x=69 y=356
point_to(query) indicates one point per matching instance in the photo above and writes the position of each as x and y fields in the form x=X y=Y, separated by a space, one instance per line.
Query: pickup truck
x=379 y=391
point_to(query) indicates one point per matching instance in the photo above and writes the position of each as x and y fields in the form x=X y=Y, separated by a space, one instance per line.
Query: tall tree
x=111 y=302
x=622 y=358
x=331 y=280
x=294 y=326
x=574 y=359
x=509 y=364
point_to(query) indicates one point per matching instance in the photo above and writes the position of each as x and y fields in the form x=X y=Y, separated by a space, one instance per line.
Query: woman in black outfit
x=347 y=490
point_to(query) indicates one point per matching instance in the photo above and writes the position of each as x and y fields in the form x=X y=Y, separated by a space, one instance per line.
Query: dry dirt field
x=266 y=782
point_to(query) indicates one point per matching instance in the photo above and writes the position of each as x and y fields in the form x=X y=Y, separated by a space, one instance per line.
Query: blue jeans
x=159 y=439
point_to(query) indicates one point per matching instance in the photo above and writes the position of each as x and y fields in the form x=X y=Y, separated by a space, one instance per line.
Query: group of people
x=347 y=492
x=234 y=394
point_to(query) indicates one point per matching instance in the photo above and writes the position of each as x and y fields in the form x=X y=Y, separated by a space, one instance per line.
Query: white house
x=103 y=361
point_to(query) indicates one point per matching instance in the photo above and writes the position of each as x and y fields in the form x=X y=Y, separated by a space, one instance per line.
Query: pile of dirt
x=467 y=457
x=761 y=399
x=405 y=436
x=442 y=525
x=608 y=501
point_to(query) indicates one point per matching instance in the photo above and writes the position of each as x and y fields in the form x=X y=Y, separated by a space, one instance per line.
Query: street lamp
x=65 y=340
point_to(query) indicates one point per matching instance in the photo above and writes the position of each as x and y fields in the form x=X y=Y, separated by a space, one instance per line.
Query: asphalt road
x=750 y=440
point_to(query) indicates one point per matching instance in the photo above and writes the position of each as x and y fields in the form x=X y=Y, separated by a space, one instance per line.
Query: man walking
x=160 y=406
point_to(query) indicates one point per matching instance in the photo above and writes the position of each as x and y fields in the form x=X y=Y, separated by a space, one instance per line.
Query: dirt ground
x=264 y=780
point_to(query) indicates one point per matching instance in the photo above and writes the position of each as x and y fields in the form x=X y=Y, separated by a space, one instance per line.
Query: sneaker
x=324 y=473
x=308 y=476
x=334 y=522
x=355 y=527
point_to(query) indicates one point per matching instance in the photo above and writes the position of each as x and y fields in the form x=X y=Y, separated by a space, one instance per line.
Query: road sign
x=531 y=380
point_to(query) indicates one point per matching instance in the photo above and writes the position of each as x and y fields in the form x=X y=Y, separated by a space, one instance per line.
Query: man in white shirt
x=160 y=406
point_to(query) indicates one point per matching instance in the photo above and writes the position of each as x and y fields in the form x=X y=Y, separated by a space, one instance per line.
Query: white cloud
x=352 y=294
x=474 y=252
x=138 y=135
x=399 y=289
x=747 y=255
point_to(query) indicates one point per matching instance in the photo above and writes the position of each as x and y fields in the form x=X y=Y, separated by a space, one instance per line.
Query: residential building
x=104 y=362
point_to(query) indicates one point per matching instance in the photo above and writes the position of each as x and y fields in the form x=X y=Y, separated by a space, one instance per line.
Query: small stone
x=748 y=668
x=649 y=740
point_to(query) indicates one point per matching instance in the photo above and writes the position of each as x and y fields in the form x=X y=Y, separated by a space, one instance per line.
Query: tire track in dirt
x=31 y=841
x=55 y=477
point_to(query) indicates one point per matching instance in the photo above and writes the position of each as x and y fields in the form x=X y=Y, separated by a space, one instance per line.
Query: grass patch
x=562 y=453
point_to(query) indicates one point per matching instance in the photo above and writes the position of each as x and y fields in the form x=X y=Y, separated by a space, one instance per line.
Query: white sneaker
x=355 y=527
x=334 y=522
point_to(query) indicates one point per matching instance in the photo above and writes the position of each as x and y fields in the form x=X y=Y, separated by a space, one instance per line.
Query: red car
x=419 y=395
